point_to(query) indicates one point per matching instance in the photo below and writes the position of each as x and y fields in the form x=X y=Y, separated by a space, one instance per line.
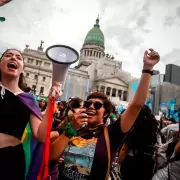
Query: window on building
x=41 y=91
x=47 y=64
x=34 y=89
x=125 y=95
x=108 y=91
x=38 y=63
x=36 y=77
x=102 y=89
x=27 y=75
x=44 y=78
x=113 y=92
x=30 y=60
x=119 y=93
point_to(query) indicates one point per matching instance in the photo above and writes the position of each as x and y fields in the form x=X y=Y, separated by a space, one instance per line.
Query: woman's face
x=42 y=103
x=60 y=106
x=12 y=64
x=95 y=111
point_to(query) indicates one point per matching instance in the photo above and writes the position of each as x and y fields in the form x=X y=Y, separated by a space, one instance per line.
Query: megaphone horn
x=62 y=57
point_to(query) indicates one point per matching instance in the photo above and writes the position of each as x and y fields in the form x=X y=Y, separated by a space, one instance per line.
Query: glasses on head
x=97 y=105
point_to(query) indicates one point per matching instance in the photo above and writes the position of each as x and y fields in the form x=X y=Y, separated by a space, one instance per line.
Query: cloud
x=141 y=21
x=143 y=15
x=6 y=45
x=173 y=19
x=172 y=57
x=129 y=27
x=125 y=37
x=169 y=21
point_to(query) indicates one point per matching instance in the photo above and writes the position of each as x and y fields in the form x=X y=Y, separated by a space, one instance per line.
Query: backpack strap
x=106 y=135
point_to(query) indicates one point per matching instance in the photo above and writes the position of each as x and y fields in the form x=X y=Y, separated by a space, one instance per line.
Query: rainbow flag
x=32 y=148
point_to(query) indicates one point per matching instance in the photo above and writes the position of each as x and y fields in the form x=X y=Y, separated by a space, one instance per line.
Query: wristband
x=69 y=131
x=147 y=71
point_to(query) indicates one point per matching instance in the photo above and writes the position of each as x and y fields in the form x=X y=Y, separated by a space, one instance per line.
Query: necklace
x=95 y=130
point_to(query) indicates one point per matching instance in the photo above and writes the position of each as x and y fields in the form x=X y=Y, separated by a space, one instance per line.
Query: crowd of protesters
x=89 y=139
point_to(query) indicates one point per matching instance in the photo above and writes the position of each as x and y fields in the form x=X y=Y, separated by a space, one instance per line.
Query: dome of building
x=95 y=35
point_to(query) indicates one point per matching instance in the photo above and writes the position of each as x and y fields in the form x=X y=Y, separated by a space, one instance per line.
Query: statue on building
x=40 y=48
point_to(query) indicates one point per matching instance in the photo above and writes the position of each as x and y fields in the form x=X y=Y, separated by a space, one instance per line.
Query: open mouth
x=91 y=113
x=12 y=65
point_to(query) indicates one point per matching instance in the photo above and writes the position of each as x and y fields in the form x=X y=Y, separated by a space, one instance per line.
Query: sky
x=129 y=26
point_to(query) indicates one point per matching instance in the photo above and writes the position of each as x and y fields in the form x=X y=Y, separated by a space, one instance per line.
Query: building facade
x=96 y=71
x=164 y=91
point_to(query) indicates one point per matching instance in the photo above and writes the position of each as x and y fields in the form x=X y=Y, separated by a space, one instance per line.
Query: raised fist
x=150 y=59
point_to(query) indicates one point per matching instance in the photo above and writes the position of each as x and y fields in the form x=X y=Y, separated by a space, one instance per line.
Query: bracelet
x=147 y=71
x=69 y=131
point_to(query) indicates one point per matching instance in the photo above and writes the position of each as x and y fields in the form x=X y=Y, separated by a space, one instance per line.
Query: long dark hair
x=45 y=105
x=21 y=82
x=144 y=132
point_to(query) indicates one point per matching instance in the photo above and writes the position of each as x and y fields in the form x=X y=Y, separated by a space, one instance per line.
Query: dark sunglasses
x=97 y=105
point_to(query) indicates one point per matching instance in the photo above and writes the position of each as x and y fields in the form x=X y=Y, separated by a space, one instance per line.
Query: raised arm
x=129 y=116
x=38 y=127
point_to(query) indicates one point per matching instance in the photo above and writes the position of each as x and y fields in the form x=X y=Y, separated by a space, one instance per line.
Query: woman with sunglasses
x=84 y=148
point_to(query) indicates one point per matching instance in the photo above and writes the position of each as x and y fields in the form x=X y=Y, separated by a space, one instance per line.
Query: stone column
x=122 y=93
x=99 y=87
x=110 y=93
x=105 y=90
x=116 y=92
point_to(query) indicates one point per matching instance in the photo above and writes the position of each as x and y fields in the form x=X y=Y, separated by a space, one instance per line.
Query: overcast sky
x=129 y=26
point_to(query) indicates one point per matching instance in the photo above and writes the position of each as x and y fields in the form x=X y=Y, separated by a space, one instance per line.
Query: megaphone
x=62 y=57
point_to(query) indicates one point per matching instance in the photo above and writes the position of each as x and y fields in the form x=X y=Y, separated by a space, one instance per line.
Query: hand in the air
x=150 y=59
x=79 y=119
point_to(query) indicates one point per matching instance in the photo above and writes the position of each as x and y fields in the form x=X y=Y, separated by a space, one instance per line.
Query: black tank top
x=14 y=114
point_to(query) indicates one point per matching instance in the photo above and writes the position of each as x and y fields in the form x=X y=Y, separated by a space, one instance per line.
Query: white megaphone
x=62 y=57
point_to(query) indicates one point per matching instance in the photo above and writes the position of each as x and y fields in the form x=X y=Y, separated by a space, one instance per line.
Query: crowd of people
x=88 y=139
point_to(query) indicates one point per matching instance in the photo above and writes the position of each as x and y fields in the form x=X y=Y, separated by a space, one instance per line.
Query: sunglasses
x=97 y=105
